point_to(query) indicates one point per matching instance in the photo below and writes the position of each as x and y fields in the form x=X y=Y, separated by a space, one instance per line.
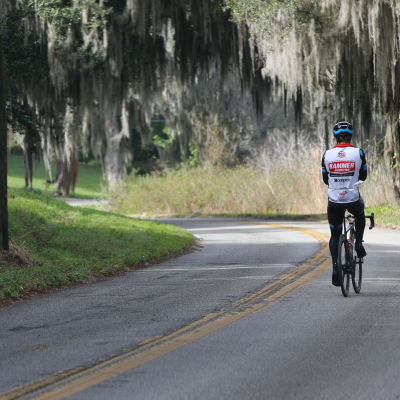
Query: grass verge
x=54 y=244
x=272 y=216
x=90 y=178
x=284 y=217
x=386 y=216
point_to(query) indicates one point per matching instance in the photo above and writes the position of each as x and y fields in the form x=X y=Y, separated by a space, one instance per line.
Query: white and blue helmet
x=342 y=128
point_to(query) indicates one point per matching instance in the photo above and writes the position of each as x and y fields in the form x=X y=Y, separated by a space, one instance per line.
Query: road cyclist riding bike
x=342 y=167
x=348 y=264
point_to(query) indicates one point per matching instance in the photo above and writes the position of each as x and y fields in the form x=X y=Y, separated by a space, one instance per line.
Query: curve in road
x=286 y=347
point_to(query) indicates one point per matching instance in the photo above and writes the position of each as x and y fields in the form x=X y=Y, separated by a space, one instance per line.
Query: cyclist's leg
x=335 y=219
x=357 y=209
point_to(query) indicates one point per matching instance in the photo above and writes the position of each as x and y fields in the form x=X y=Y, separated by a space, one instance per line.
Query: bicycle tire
x=343 y=261
x=356 y=276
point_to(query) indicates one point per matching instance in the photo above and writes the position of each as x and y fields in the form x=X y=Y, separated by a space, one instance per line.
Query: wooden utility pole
x=3 y=152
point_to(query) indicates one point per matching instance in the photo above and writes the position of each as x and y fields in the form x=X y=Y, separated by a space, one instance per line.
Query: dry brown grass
x=17 y=256
x=281 y=177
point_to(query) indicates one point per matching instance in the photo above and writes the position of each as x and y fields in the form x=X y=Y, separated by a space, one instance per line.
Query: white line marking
x=231 y=279
x=381 y=279
x=147 y=271
x=386 y=251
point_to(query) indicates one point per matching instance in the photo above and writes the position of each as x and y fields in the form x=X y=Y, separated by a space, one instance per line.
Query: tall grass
x=281 y=177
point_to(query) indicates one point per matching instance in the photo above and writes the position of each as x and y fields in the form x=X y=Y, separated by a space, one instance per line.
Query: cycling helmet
x=342 y=128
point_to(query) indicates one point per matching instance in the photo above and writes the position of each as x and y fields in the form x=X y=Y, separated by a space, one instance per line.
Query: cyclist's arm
x=325 y=175
x=363 y=170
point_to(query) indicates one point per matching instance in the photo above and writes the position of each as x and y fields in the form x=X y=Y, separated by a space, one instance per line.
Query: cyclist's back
x=342 y=167
x=345 y=165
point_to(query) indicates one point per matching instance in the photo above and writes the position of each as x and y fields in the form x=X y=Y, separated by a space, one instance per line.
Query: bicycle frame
x=351 y=220
x=351 y=227
x=349 y=268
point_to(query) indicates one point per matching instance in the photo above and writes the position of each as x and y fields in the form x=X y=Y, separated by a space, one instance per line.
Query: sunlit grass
x=73 y=244
x=386 y=215
x=90 y=178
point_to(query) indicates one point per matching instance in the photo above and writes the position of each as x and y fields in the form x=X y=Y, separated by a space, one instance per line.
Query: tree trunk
x=26 y=169
x=114 y=157
x=29 y=152
x=62 y=177
x=65 y=182
x=392 y=145
x=326 y=134
x=74 y=168
x=3 y=154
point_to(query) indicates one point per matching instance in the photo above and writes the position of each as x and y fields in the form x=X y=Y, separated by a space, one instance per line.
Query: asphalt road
x=246 y=316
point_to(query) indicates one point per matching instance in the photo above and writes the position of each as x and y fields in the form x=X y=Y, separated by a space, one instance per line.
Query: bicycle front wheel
x=356 y=276
x=343 y=262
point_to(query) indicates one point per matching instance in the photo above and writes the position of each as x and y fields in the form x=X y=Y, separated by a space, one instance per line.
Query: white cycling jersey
x=343 y=165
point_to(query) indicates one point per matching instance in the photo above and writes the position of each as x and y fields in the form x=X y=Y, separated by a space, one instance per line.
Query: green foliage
x=61 y=17
x=260 y=10
x=194 y=160
x=18 y=53
x=17 y=115
x=64 y=15
x=19 y=64
x=260 y=13
x=386 y=215
x=393 y=163
x=164 y=139
x=162 y=136
x=91 y=58
x=75 y=244
x=67 y=16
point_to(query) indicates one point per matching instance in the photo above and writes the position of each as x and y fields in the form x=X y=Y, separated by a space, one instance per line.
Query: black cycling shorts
x=336 y=210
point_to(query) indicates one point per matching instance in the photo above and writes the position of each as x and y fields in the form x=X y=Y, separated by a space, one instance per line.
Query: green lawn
x=90 y=178
x=68 y=244
x=388 y=216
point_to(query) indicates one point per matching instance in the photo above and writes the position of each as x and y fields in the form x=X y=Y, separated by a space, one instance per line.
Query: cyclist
x=342 y=167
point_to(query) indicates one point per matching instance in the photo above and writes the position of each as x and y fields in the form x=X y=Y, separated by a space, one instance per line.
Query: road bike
x=348 y=263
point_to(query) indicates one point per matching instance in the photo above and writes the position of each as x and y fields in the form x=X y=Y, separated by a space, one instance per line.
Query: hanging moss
x=219 y=72
x=345 y=53
x=109 y=62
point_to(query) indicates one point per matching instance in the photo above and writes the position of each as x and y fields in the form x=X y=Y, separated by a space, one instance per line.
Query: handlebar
x=349 y=217
x=372 y=218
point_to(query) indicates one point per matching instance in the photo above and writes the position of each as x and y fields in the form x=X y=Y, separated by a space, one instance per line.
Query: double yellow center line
x=68 y=383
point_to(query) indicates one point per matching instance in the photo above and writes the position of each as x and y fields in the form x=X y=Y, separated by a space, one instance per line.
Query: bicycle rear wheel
x=343 y=262
x=356 y=276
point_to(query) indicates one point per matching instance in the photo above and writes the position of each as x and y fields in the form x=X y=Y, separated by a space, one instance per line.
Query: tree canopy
x=217 y=70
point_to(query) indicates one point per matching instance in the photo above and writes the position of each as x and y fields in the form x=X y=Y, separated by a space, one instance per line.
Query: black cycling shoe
x=361 y=253
x=335 y=275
